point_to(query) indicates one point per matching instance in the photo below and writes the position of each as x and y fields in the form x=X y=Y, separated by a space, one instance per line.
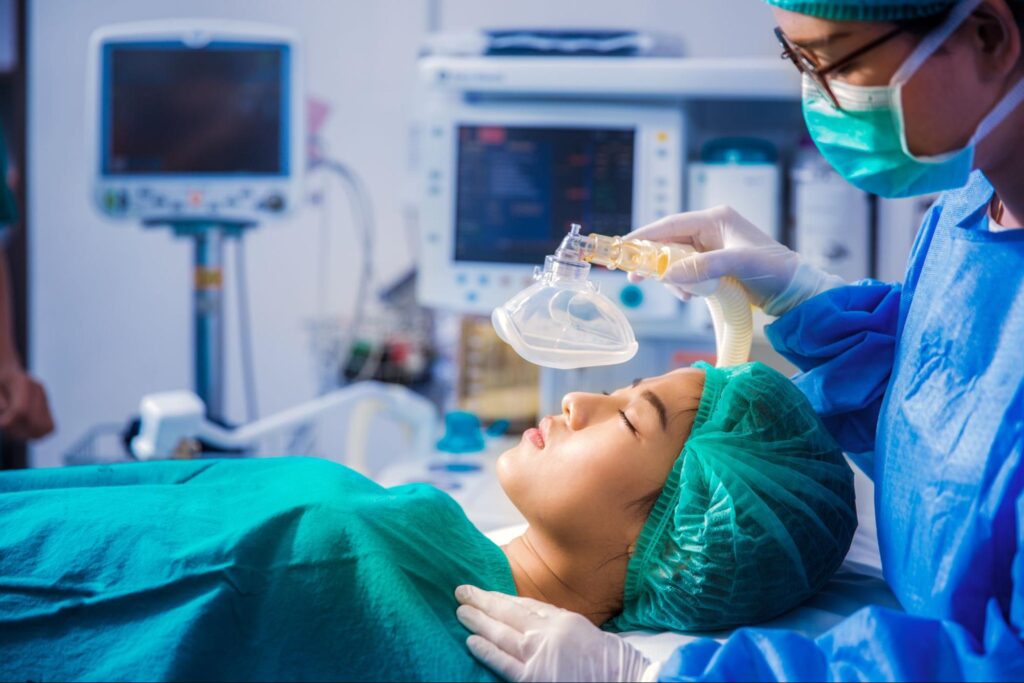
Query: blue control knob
x=631 y=296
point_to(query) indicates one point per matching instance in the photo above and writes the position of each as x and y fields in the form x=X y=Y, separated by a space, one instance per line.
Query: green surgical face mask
x=865 y=139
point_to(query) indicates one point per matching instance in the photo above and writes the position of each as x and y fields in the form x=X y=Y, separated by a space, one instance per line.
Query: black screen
x=519 y=189
x=176 y=110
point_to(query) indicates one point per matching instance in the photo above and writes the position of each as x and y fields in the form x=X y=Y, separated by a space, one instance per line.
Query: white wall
x=109 y=302
x=709 y=28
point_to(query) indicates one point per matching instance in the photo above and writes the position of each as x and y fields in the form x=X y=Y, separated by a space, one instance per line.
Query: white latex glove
x=527 y=640
x=776 y=278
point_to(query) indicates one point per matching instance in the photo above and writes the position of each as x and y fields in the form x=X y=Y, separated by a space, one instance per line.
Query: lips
x=538 y=435
x=545 y=428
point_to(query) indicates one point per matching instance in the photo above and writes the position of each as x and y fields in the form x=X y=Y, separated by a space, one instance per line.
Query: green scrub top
x=8 y=209
x=272 y=569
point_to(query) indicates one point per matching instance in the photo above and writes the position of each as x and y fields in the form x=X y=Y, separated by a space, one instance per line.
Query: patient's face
x=582 y=476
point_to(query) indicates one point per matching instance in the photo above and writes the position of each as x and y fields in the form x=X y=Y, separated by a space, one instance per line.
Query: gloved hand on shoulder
x=527 y=640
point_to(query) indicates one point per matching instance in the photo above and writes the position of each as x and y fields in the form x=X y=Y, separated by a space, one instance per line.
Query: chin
x=510 y=474
x=504 y=467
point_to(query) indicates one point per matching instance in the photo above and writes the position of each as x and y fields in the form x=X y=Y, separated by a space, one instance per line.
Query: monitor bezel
x=179 y=189
x=106 y=104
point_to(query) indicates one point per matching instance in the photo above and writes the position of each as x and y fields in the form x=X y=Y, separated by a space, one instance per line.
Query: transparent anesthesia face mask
x=562 y=320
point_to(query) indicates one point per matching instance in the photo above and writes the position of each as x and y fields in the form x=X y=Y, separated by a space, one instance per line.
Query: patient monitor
x=195 y=120
x=197 y=126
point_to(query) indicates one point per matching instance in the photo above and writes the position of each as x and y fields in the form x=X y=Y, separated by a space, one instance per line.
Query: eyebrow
x=820 y=42
x=653 y=399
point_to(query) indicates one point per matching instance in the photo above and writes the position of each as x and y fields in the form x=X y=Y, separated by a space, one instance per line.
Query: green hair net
x=864 y=10
x=756 y=515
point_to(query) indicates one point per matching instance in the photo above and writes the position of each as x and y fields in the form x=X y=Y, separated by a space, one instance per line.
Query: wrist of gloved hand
x=807 y=281
x=650 y=674
x=634 y=665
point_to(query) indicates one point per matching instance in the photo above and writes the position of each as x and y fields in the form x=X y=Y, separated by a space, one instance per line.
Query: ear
x=995 y=37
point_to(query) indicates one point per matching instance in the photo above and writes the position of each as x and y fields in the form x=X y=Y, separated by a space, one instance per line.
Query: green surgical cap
x=864 y=10
x=756 y=516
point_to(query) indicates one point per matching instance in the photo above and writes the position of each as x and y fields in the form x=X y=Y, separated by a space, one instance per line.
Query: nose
x=580 y=408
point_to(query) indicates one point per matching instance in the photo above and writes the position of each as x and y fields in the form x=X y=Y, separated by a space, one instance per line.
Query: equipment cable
x=363 y=218
x=245 y=333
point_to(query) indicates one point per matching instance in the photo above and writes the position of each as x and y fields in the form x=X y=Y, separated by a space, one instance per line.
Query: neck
x=575 y=579
x=1006 y=170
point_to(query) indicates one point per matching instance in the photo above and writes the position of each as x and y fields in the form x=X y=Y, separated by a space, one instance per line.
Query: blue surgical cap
x=756 y=515
x=864 y=10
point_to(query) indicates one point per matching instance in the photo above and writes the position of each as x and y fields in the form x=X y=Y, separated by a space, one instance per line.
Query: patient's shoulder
x=300 y=477
x=340 y=497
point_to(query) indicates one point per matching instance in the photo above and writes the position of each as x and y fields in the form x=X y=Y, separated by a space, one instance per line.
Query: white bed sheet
x=857 y=584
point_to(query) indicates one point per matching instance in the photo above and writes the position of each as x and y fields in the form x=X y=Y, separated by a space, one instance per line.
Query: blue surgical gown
x=922 y=383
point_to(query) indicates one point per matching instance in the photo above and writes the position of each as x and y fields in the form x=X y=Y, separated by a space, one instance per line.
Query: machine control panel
x=154 y=202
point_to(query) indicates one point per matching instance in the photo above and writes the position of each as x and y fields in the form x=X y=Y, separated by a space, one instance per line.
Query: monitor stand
x=208 y=238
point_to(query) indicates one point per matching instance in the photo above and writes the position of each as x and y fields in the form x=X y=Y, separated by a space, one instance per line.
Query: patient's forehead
x=691 y=374
x=680 y=376
x=677 y=385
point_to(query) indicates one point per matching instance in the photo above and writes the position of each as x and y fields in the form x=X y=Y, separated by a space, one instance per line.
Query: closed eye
x=629 y=425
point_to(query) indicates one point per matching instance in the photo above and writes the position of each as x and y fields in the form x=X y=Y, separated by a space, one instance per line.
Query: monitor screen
x=218 y=110
x=520 y=188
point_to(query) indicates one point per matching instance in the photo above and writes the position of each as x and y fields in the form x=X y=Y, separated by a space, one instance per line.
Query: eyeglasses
x=819 y=74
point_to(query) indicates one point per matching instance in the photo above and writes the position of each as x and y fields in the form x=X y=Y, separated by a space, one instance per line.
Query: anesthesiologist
x=921 y=382
x=24 y=410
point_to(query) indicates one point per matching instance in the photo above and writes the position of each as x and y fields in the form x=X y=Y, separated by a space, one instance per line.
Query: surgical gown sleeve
x=844 y=342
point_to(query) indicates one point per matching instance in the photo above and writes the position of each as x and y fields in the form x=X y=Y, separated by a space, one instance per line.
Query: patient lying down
x=697 y=500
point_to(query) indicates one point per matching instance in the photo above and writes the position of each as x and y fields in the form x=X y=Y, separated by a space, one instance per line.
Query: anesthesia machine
x=513 y=150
